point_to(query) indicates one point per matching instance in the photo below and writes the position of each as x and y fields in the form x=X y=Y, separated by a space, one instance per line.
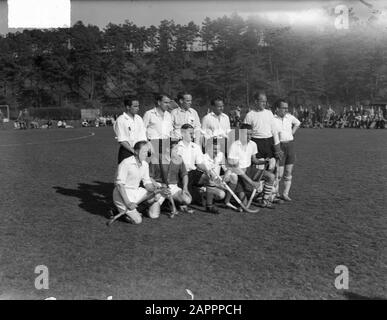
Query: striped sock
x=267 y=190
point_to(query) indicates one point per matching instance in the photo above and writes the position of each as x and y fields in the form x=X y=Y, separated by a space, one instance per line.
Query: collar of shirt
x=158 y=114
x=132 y=160
x=128 y=117
x=287 y=115
x=216 y=116
x=180 y=109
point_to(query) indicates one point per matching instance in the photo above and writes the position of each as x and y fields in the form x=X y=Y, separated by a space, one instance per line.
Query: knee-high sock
x=287 y=184
x=209 y=198
x=267 y=190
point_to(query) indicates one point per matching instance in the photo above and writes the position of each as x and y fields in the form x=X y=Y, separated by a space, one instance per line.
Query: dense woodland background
x=85 y=67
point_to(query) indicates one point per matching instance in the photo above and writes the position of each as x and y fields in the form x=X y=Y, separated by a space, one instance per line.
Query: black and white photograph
x=193 y=151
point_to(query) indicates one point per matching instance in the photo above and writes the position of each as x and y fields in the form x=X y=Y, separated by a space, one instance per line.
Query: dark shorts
x=243 y=185
x=193 y=185
x=123 y=153
x=265 y=147
x=289 y=156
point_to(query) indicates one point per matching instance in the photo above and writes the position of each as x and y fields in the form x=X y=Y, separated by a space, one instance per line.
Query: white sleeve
x=228 y=126
x=146 y=121
x=122 y=173
x=274 y=127
x=119 y=129
x=295 y=121
x=247 y=118
x=233 y=153
x=142 y=132
x=197 y=124
x=146 y=179
x=199 y=157
x=254 y=149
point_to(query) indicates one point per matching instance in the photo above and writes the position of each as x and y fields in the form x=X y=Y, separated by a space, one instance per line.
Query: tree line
x=84 y=66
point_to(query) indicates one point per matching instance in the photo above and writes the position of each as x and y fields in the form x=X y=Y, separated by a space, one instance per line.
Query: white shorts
x=134 y=195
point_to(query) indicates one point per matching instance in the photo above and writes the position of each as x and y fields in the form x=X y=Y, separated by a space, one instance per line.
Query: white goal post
x=4 y=113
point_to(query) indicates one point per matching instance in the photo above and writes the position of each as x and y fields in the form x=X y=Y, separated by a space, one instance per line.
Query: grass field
x=56 y=187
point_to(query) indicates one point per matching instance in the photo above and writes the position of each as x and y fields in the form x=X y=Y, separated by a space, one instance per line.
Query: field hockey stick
x=225 y=185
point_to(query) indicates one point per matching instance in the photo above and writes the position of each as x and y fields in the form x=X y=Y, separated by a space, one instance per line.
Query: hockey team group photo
x=205 y=150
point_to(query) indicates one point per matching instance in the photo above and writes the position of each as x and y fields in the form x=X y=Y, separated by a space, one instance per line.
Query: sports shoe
x=278 y=200
x=127 y=219
x=185 y=209
x=266 y=204
x=212 y=209
x=286 y=197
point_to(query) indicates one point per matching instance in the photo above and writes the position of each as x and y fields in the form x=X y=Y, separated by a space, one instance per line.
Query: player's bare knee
x=233 y=178
x=287 y=177
x=269 y=176
x=220 y=194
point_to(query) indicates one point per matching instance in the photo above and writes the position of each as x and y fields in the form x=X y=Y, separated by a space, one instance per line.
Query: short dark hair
x=138 y=145
x=245 y=126
x=259 y=93
x=181 y=95
x=277 y=104
x=129 y=100
x=160 y=96
x=186 y=126
x=216 y=99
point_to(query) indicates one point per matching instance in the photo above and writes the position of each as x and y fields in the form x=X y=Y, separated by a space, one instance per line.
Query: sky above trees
x=304 y=13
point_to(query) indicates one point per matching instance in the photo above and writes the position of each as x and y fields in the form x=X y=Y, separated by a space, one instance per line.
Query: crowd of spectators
x=369 y=117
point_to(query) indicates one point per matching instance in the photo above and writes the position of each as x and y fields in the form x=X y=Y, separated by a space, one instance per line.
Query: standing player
x=264 y=132
x=184 y=114
x=287 y=125
x=127 y=193
x=216 y=123
x=158 y=125
x=129 y=129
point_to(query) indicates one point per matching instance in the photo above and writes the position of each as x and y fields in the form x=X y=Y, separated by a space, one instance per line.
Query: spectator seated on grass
x=47 y=125
x=19 y=124
x=61 y=124
x=85 y=123
x=34 y=124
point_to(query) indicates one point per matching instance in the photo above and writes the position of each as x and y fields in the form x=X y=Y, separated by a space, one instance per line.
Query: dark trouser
x=265 y=147
x=289 y=153
x=193 y=185
x=123 y=153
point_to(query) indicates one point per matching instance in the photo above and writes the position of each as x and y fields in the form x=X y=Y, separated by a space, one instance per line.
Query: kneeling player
x=128 y=194
x=242 y=157
x=215 y=162
x=171 y=171
x=193 y=159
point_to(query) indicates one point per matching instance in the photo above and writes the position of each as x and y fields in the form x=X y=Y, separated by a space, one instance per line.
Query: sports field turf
x=55 y=191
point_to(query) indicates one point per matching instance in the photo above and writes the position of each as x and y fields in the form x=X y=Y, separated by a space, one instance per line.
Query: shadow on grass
x=355 y=296
x=95 y=198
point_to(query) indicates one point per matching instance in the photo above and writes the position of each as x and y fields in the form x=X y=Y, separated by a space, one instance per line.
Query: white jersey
x=285 y=126
x=262 y=123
